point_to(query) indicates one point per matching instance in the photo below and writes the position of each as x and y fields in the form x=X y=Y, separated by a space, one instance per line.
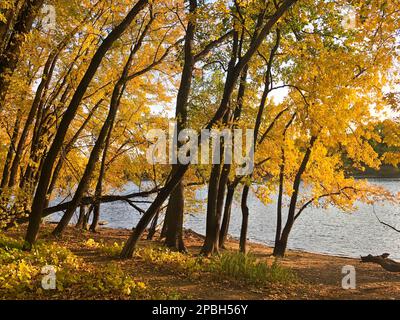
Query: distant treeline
x=385 y=172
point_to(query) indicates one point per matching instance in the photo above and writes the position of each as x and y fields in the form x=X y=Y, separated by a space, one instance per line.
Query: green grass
x=246 y=267
x=229 y=265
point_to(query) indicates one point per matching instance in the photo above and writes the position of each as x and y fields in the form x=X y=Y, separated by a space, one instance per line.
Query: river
x=326 y=231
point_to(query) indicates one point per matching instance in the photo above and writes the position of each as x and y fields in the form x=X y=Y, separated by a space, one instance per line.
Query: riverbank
x=317 y=276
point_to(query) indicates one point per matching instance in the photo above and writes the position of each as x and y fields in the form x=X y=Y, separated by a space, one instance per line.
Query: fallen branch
x=91 y=201
x=104 y=199
x=387 y=264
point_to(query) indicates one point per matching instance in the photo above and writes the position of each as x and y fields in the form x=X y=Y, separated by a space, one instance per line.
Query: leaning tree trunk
x=153 y=227
x=42 y=88
x=69 y=115
x=106 y=129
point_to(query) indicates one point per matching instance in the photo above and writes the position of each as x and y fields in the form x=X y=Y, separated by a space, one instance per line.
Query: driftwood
x=387 y=264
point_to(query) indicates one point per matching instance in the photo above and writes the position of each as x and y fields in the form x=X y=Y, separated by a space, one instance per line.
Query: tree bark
x=227 y=215
x=245 y=220
x=153 y=227
x=209 y=246
x=174 y=219
x=82 y=215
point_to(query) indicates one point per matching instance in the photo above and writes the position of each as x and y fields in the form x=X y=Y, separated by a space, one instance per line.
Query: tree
x=11 y=49
x=45 y=175
x=264 y=29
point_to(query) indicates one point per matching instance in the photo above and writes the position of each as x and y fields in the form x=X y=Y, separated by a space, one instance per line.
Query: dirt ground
x=320 y=276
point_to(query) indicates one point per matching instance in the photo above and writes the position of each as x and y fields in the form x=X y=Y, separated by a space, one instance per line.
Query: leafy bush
x=184 y=263
x=113 y=250
x=20 y=275
x=20 y=271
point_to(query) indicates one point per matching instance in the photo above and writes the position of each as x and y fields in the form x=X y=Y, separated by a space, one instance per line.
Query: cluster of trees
x=77 y=100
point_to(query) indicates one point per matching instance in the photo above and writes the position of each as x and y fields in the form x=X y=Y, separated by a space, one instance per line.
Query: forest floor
x=318 y=276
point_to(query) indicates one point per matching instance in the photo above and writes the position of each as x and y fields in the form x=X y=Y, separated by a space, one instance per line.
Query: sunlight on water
x=329 y=231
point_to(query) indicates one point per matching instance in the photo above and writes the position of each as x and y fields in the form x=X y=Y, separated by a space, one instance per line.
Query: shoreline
x=319 y=276
x=249 y=241
x=258 y=243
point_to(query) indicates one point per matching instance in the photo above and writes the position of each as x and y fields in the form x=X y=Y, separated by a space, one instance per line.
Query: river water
x=327 y=231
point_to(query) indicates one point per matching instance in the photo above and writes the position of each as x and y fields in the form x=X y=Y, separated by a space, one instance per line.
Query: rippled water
x=329 y=231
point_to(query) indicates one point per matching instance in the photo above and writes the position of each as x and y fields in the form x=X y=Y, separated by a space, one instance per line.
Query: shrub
x=248 y=268
x=230 y=265
x=184 y=263
x=20 y=275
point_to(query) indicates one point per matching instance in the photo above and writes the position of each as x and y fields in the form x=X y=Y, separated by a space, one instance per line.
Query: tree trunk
x=130 y=246
x=174 y=219
x=69 y=115
x=277 y=248
x=209 y=247
x=93 y=159
x=227 y=215
x=153 y=227
x=99 y=186
x=245 y=220
x=223 y=182
x=175 y=211
x=11 y=150
x=87 y=218
x=82 y=216
x=282 y=243
x=46 y=78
